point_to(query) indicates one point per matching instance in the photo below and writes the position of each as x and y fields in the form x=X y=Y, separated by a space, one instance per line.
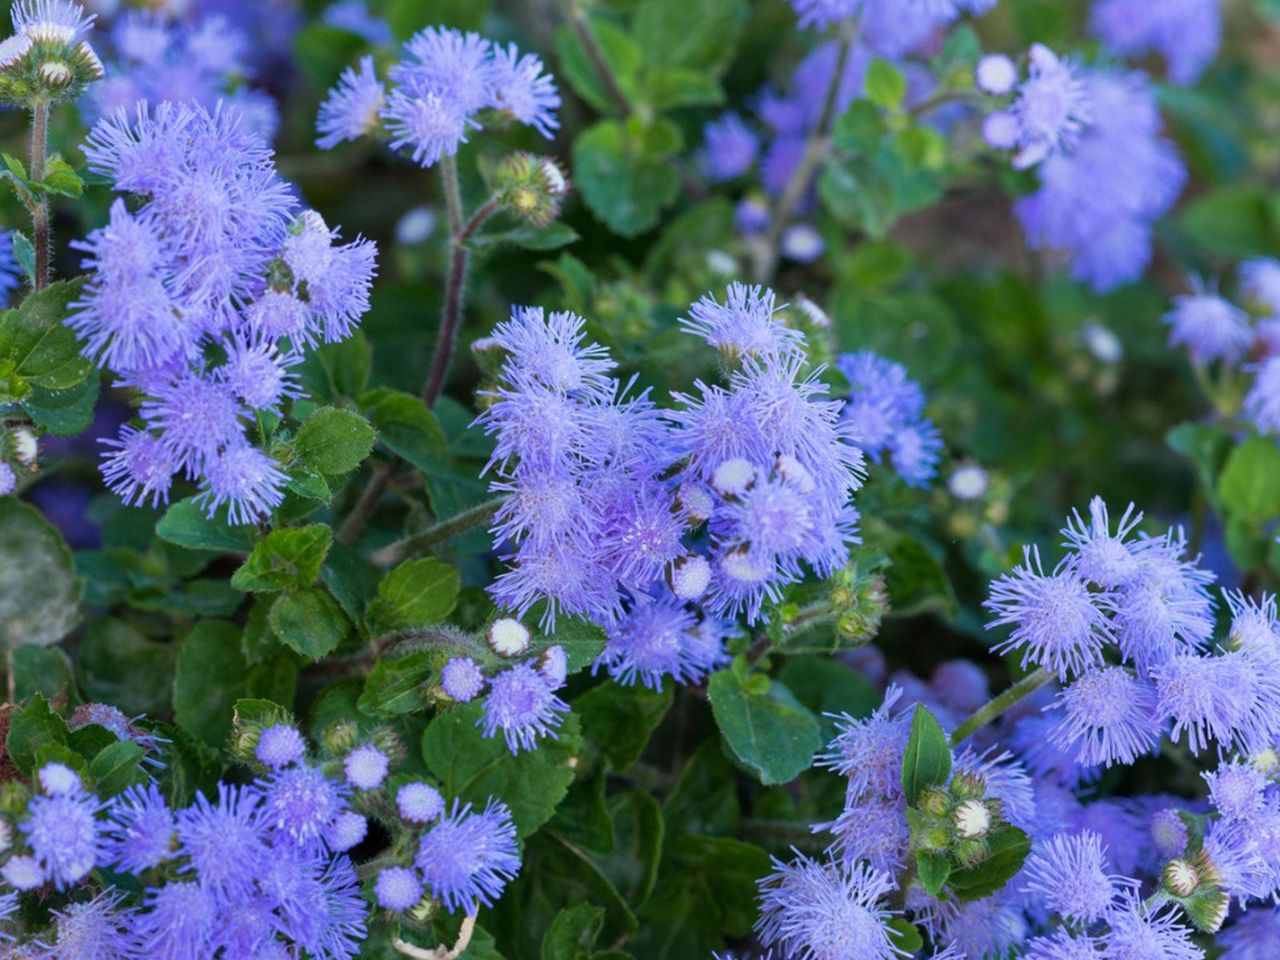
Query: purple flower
x=51 y=21
x=247 y=480
x=258 y=374
x=1062 y=946
x=448 y=63
x=1262 y=403
x=366 y=767
x=1260 y=282
x=523 y=705
x=1108 y=716
x=64 y=835
x=353 y=106
x=745 y=323
x=1069 y=871
x=1186 y=33
x=354 y=17
x=93 y=929
x=914 y=452
x=651 y=642
x=141 y=830
x=467 y=858
x=1052 y=108
x=1252 y=936
x=279 y=746
x=869 y=751
x=397 y=888
x=462 y=679
x=1236 y=790
x=177 y=922
x=872 y=830
x=138 y=467
x=806 y=907
x=300 y=803
x=224 y=841
x=419 y=802
x=317 y=903
x=519 y=87
x=1102 y=557
x=22 y=872
x=730 y=148
x=1058 y=623
x=347 y=830
x=1156 y=933
x=1208 y=326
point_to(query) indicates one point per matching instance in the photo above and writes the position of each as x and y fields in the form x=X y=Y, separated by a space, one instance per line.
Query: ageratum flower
x=1052 y=108
x=141 y=830
x=523 y=705
x=366 y=767
x=225 y=841
x=1108 y=716
x=300 y=803
x=1262 y=403
x=1237 y=790
x=868 y=751
x=746 y=323
x=353 y=107
x=1185 y=33
x=1070 y=872
x=654 y=640
x=1156 y=933
x=177 y=921
x=467 y=858
x=397 y=888
x=317 y=903
x=64 y=834
x=814 y=911
x=279 y=746
x=730 y=148
x=96 y=930
x=462 y=679
x=1209 y=327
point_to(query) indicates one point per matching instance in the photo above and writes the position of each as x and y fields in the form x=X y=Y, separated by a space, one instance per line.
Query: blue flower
x=746 y=322
x=1252 y=936
x=1070 y=872
x=224 y=842
x=366 y=767
x=1186 y=34
x=95 y=930
x=1262 y=403
x=1058 y=622
x=354 y=17
x=65 y=835
x=138 y=467
x=244 y=478
x=519 y=88
x=656 y=639
x=523 y=705
x=397 y=888
x=730 y=148
x=807 y=906
x=820 y=14
x=318 y=904
x=1209 y=327
x=1062 y=945
x=141 y=830
x=872 y=830
x=10 y=272
x=1237 y=790
x=300 y=803
x=1052 y=108
x=461 y=679
x=1102 y=557
x=279 y=746
x=467 y=858
x=1108 y=716
x=869 y=751
x=419 y=802
x=1154 y=933
x=176 y=922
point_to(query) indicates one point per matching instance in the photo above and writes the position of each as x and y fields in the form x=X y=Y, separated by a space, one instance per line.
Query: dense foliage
x=590 y=479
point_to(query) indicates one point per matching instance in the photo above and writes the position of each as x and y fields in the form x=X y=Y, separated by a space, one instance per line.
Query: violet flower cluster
x=446 y=85
x=890 y=27
x=1105 y=171
x=158 y=59
x=1186 y=33
x=201 y=298
x=885 y=412
x=1214 y=329
x=252 y=871
x=662 y=525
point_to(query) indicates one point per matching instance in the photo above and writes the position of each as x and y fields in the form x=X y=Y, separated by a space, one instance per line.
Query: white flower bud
x=508 y=637
x=972 y=819
x=690 y=577
x=25 y=448
x=733 y=477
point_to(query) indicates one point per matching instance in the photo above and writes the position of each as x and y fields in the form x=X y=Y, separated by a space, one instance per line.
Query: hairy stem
x=999 y=704
x=590 y=43
x=815 y=148
x=459 y=523
x=40 y=213
x=455 y=279
x=368 y=502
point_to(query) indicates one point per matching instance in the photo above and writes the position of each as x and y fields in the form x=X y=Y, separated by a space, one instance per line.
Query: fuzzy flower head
x=730 y=148
x=746 y=322
x=1058 y=623
x=366 y=767
x=1108 y=716
x=1138 y=932
x=1236 y=790
x=1186 y=33
x=224 y=840
x=279 y=746
x=1101 y=556
x=869 y=751
x=1070 y=872
x=1262 y=402
x=467 y=858
x=419 y=802
x=1209 y=327
x=397 y=888
x=300 y=803
x=461 y=679
x=353 y=107
x=141 y=830
x=523 y=705
x=817 y=911
x=65 y=835
x=1052 y=108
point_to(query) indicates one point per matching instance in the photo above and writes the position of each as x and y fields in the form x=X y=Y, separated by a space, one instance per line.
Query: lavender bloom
x=1102 y=557
x=299 y=803
x=141 y=830
x=657 y=639
x=64 y=835
x=1208 y=326
x=224 y=841
x=462 y=679
x=806 y=906
x=1062 y=946
x=1260 y=282
x=872 y=830
x=1155 y=933
x=419 y=802
x=279 y=746
x=139 y=467
x=353 y=107
x=1231 y=698
x=1069 y=871
x=869 y=751
x=347 y=830
x=366 y=767
x=745 y=323
x=884 y=413
x=467 y=858
x=1096 y=203
x=1236 y=790
x=1262 y=403
x=1052 y=108
x=523 y=705
x=1252 y=936
x=914 y=452
x=519 y=88
x=1254 y=623
x=176 y=922
x=397 y=888
x=1186 y=33
x=10 y=272
x=730 y=148
x=1057 y=621
x=22 y=872
x=94 y=930
x=1108 y=716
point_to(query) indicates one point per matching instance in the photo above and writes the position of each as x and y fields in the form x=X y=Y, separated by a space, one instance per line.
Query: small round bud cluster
x=46 y=61
x=860 y=600
x=418 y=802
x=531 y=187
x=366 y=767
x=279 y=746
x=958 y=820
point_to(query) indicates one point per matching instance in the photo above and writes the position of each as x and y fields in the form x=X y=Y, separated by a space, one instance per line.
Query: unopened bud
x=972 y=819
x=690 y=577
x=1180 y=877
x=25 y=448
x=935 y=802
x=968 y=786
x=508 y=637
x=56 y=74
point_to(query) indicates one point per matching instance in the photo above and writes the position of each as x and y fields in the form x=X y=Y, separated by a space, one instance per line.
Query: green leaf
x=1232 y=220
x=285 y=558
x=1249 y=487
x=43 y=350
x=46 y=671
x=552 y=236
x=621 y=719
x=416 y=593
x=208 y=679
x=581 y=640
x=698 y=34
x=926 y=762
x=885 y=84
x=309 y=621
x=826 y=686
x=639 y=835
x=933 y=870
x=33 y=728
x=1009 y=848
x=24 y=252
x=396 y=685
x=63 y=413
x=905 y=936
x=187 y=525
x=573 y=933
x=116 y=767
x=766 y=727
x=119 y=666
x=333 y=440
x=620 y=52
x=1207 y=446
x=675 y=87
x=340 y=369
x=474 y=768
x=406 y=427
x=39 y=589
x=625 y=175
x=60 y=177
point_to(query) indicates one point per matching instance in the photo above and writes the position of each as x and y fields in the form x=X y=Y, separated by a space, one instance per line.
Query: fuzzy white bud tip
x=973 y=819
x=690 y=577
x=733 y=477
x=508 y=637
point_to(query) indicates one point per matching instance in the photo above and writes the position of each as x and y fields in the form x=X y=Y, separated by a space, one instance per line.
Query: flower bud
x=935 y=802
x=1180 y=877
x=531 y=187
x=23 y=444
x=970 y=853
x=933 y=839
x=508 y=637
x=968 y=786
x=972 y=819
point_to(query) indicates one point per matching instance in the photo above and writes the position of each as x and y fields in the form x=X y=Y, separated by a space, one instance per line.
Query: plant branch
x=368 y=502
x=999 y=704
x=815 y=149
x=458 y=524
x=591 y=43
x=40 y=213
x=440 y=953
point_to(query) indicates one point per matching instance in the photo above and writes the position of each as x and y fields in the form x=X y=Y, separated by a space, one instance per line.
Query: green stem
x=455 y=279
x=40 y=214
x=368 y=502
x=595 y=53
x=458 y=524
x=999 y=704
x=815 y=148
